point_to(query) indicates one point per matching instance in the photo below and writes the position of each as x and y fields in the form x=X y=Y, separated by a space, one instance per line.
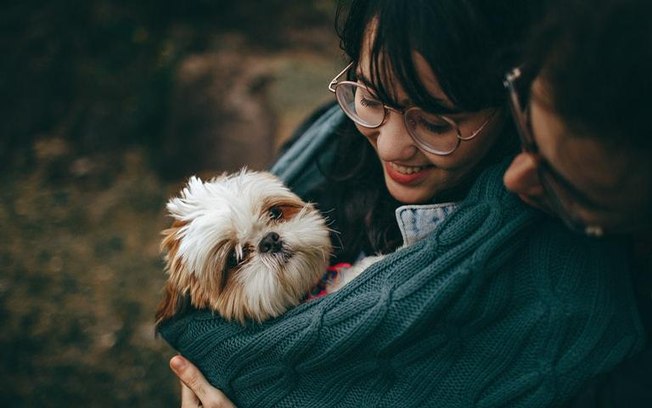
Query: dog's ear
x=175 y=298
x=174 y=302
x=171 y=240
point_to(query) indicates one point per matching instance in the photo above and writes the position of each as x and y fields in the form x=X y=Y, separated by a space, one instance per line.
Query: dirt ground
x=80 y=268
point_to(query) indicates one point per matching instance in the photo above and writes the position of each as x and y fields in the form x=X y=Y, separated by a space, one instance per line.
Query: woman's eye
x=369 y=103
x=275 y=213
x=431 y=127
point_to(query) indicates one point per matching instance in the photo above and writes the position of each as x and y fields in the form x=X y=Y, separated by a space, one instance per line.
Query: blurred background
x=106 y=107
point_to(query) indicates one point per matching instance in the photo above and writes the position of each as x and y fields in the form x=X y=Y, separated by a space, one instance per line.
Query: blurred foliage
x=99 y=72
x=81 y=277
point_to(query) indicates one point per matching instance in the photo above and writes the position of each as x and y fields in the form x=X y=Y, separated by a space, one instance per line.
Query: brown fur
x=214 y=286
x=183 y=286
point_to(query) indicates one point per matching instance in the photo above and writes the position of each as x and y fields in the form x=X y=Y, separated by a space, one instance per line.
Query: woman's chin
x=415 y=190
x=411 y=194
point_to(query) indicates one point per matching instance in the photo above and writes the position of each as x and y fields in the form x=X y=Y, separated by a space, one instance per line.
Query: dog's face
x=242 y=245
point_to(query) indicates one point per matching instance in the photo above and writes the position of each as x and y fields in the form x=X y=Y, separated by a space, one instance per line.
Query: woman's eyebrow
x=360 y=77
x=441 y=105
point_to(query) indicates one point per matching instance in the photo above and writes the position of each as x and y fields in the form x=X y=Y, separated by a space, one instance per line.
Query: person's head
x=583 y=104
x=424 y=86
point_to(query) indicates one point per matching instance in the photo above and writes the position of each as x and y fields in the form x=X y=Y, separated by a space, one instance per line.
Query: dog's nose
x=270 y=243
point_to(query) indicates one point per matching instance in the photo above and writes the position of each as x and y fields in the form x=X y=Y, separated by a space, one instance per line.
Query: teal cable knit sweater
x=499 y=306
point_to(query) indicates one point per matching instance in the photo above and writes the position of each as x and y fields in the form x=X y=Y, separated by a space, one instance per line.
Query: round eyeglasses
x=433 y=133
x=563 y=197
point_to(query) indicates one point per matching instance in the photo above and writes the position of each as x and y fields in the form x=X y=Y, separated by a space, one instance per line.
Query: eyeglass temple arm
x=478 y=130
x=517 y=110
x=331 y=85
x=512 y=76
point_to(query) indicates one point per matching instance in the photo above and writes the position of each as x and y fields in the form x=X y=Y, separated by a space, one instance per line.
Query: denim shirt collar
x=418 y=221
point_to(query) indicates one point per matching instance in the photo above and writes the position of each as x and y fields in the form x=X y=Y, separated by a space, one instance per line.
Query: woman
x=488 y=303
x=431 y=147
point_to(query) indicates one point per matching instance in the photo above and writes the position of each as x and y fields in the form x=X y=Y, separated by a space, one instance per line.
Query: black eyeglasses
x=565 y=198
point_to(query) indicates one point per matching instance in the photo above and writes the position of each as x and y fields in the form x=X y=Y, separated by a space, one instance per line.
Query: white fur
x=232 y=212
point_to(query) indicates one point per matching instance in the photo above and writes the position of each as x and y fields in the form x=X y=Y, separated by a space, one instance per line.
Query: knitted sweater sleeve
x=498 y=307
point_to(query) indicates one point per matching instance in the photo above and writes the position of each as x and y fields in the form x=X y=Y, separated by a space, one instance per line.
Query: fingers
x=188 y=398
x=190 y=376
x=196 y=391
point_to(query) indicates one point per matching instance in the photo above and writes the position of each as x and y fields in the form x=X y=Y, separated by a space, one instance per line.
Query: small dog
x=244 y=246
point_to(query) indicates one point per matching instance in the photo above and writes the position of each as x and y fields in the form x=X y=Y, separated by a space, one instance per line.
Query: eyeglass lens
x=434 y=132
x=360 y=105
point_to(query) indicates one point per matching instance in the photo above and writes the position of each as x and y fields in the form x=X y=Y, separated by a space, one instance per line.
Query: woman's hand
x=195 y=390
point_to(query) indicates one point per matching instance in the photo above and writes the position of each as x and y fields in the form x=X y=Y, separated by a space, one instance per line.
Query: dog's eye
x=275 y=213
x=232 y=260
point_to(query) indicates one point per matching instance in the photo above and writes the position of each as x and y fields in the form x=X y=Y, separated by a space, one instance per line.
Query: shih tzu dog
x=244 y=246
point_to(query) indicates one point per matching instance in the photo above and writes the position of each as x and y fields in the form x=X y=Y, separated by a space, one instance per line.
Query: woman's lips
x=405 y=174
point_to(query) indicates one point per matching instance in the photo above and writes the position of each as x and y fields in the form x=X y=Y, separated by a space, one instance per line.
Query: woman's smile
x=413 y=175
x=406 y=175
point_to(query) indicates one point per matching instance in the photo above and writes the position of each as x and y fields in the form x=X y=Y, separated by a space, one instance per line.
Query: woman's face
x=601 y=185
x=414 y=176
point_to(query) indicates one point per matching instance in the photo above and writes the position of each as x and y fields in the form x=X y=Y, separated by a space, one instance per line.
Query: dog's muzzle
x=271 y=243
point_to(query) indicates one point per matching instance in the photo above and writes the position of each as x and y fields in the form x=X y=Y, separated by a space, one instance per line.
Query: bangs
x=392 y=68
x=468 y=46
x=391 y=57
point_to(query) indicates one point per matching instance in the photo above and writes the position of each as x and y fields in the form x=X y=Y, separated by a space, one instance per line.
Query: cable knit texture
x=498 y=306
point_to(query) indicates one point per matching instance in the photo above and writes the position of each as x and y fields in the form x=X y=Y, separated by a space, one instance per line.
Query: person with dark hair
x=582 y=105
x=481 y=300
x=582 y=102
x=448 y=139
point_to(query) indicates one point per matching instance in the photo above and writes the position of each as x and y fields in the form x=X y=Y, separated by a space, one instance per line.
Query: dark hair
x=596 y=65
x=469 y=44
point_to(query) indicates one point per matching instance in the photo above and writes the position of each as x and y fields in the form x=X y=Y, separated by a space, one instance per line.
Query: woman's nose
x=394 y=143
